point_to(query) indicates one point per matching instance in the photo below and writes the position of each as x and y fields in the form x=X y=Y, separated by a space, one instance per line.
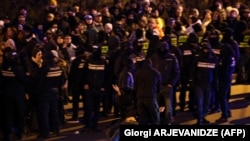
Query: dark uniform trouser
x=224 y=89
x=203 y=96
x=242 y=65
x=48 y=113
x=92 y=100
x=76 y=93
x=183 y=91
x=109 y=99
x=61 y=110
x=14 y=116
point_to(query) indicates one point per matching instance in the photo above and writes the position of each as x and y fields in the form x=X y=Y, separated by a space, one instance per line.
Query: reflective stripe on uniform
x=200 y=39
x=244 y=43
x=206 y=65
x=187 y=52
x=216 y=51
x=81 y=65
x=54 y=73
x=182 y=39
x=104 y=49
x=8 y=73
x=96 y=67
x=220 y=37
x=139 y=58
x=174 y=41
x=145 y=47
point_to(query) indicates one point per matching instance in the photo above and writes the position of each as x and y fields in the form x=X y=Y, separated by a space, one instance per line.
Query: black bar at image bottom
x=163 y=132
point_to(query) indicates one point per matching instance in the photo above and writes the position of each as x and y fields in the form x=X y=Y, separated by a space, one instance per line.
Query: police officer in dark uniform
x=138 y=54
x=171 y=38
x=229 y=39
x=110 y=42
x=94 y=87
x=13 y=95
x=187 y=50
x=53 y=80
x=243 y=36
x=204 y=71
x=75 y=83
x=213 y=37
x=226 y=69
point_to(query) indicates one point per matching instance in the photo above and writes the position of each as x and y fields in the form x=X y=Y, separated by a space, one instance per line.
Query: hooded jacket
x=147 y=81
x=204 y=68
x=166 y=64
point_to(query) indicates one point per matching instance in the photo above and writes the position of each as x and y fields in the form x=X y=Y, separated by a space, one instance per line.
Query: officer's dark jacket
x=187 y=51
x=14 y=81
x=95 y=72
x=204 y=69
x=227 y=64
x=228 y=38
x=76 y=72
x=52 y=81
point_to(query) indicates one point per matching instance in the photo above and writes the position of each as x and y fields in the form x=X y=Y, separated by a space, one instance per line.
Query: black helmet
x=192 y=38
x=206 y=48
x=96 y=50
x=228 y=33
x=11 y=56
x=163 y=49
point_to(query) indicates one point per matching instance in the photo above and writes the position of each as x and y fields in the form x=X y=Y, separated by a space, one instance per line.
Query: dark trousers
x=224 y=89
x=48 y=117
x=242 y=66
x=13 y=116
x=76 y=91
x=203 y=96
x=92 y=100
x=61 y=110
x=183 y=90
x=148 y=111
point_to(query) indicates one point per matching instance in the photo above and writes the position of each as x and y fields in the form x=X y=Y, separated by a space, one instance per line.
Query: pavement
x=240 y=110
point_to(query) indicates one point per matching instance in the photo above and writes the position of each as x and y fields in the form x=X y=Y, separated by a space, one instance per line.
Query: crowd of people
x=129 y=60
